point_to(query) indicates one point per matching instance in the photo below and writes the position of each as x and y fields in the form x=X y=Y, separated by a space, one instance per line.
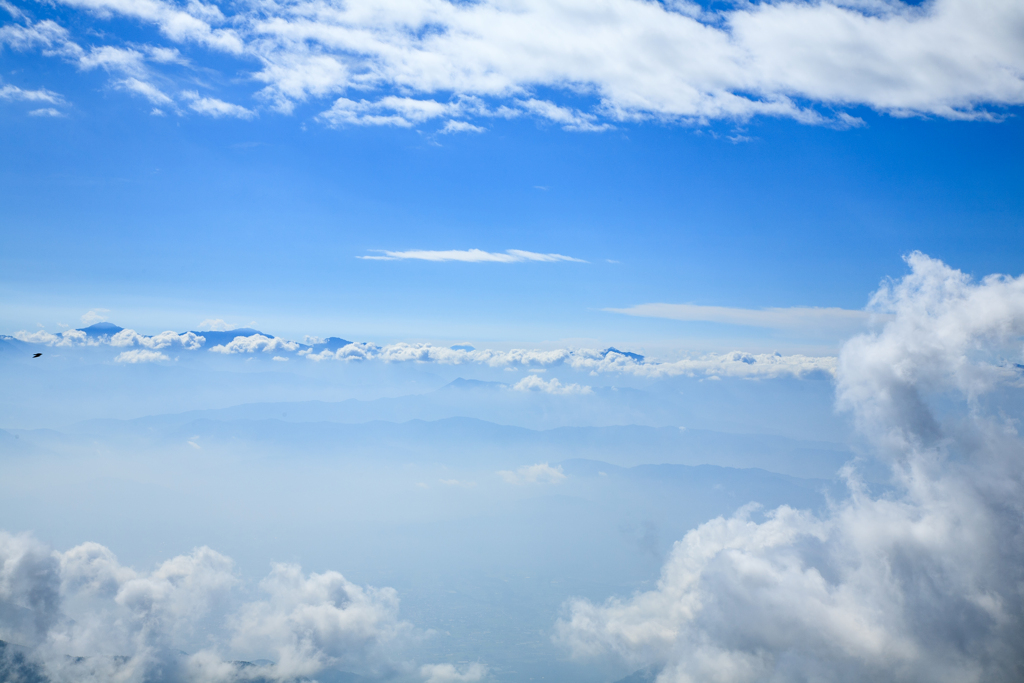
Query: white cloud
x=309 y=622
x=254 y=343
x=388 y=111
x=140 y=356
x=94 y=315
x=127 y=337
x=732 y=364
x=541 y=473
x=448 y=673
x=453 y=126
x=570 y=119
x=84 y=602
x=110 y=58
x=593 y=361
x=13 y=92
x=552 y=386
x=147 y=90
x=919 y=584
x=191 y=24
x=624 y=60
x=797 y=317
x=279 y=358
x=211 y=106
x=471 y=256
x=48 y=112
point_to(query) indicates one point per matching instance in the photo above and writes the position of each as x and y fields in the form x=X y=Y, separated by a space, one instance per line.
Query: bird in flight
x=36 y=355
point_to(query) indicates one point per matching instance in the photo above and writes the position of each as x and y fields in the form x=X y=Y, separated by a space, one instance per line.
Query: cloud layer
x=919 y=585
x=408 y=62
x=593 y=361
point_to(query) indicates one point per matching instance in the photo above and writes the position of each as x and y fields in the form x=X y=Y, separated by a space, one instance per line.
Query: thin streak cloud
x=470 y=256
x=797 y=317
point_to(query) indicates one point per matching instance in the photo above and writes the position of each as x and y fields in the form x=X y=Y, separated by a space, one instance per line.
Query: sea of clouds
x=921 y=582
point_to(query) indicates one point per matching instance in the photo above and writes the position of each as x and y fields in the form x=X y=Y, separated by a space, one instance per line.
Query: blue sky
x=482 y=197
x=166 y=220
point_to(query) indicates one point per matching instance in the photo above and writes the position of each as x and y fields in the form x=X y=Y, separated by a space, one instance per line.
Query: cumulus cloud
x=140 y=356
x=619 y=61
x=470 y=256
x=921 y=584
x=69 y=338
x=541 y=473
x=254 y=343
x=311 y=621
x=128 y=625
x=187 y=340
x=48 y=112
x=552 y=386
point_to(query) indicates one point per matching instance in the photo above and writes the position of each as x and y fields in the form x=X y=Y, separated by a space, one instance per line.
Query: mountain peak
x=100 y=329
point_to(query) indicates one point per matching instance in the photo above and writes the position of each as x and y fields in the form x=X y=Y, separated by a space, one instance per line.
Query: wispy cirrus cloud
x=470 y=256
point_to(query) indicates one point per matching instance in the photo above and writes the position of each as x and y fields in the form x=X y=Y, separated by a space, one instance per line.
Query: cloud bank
x=922 y=584
x=407 y=63
x=593 y=361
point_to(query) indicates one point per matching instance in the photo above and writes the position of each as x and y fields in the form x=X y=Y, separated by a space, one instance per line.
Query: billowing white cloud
x=628 y=60
x=69 y=338
x=470 y=256
x=140 y=356
x=541 y=473
x=48 y=112
x=253 y=343
x=187 y=340
x=920 y=584
x=552 y=386
x=310 y=622
x=128 y=625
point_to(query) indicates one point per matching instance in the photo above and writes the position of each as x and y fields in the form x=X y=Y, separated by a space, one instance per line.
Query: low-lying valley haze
x=425 y=341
